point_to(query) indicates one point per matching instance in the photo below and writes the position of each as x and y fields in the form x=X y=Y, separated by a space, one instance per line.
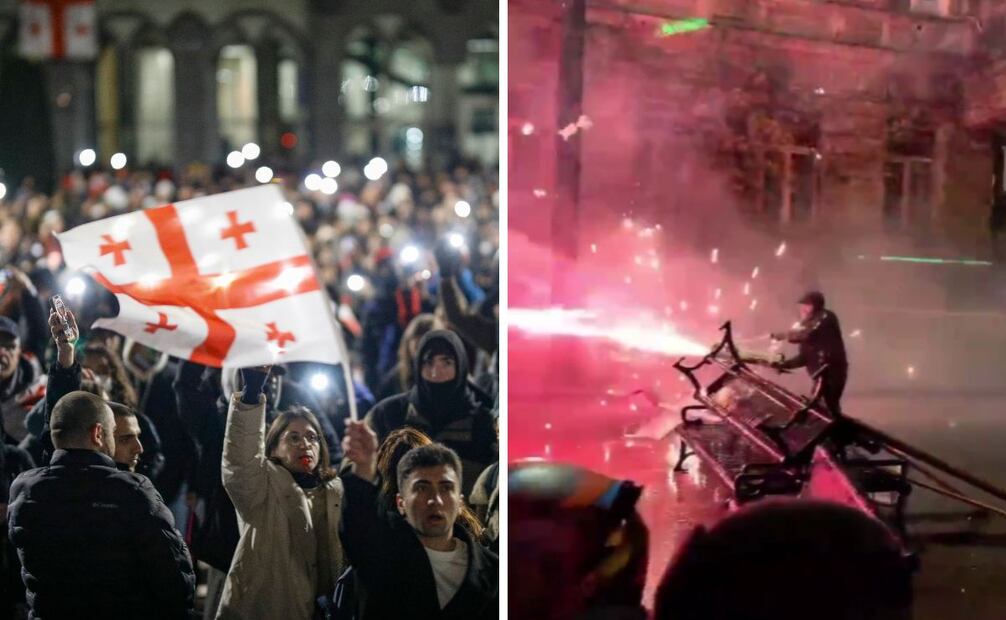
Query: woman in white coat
x=288 y=504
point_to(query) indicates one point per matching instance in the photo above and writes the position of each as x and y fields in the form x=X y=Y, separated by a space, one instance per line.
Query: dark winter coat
x=820 y=343
x=393 y=576
x=457 y=415
x=96 y=542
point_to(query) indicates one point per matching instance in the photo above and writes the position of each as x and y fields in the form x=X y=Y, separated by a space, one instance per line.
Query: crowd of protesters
x=130 y=476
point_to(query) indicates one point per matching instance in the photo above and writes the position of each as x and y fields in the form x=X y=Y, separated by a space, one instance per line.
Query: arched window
x=237 y=96
x=385 y=92
x=478 y=78
x=155 y=105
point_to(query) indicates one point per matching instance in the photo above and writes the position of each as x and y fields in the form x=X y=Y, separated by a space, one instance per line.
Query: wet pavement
x=582 y=420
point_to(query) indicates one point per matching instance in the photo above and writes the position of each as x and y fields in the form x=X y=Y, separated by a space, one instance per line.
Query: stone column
x=71 y=93
x=267 y=56
x=323 y=82
x=442 y=110
x=195 y=96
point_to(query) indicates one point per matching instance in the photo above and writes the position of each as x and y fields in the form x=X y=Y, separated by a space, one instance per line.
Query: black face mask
x=442 y=394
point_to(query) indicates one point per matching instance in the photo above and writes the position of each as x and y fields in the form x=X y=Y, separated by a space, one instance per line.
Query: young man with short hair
x=419 y=563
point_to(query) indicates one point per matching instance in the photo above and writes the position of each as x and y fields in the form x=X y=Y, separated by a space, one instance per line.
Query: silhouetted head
x=788 y=560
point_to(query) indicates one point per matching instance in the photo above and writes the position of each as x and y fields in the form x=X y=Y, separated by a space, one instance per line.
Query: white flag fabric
x=80 y=31
x=58 y=29
x=219 y=280
x=35 y=36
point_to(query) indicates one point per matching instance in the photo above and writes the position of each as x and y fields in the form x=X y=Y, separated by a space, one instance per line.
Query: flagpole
x=347 y=366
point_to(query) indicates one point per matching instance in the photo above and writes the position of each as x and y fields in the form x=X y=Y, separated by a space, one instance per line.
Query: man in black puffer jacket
x=445 y=405
x=95 y=541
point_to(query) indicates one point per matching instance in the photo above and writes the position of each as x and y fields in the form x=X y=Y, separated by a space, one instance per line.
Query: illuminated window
x=385 y=94
x=478 y=77
x=237 y=91
x=155 y=105
x=289 y=90
x=908 y=186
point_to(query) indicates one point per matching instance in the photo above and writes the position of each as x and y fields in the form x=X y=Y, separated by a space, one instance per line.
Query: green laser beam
x=936 y=261
x=681 y=26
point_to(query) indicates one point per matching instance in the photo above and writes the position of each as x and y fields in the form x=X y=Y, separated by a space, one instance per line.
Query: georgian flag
x=58 y=29
x=224 y=280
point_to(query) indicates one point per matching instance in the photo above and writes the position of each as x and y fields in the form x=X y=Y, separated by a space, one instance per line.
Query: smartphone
x=60 y=308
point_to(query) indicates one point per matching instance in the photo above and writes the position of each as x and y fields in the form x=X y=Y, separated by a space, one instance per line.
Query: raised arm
x=64 y=374
x=244 y=467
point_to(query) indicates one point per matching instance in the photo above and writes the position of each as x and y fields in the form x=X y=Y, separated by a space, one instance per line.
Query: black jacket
x=458 y=415
x=820 y=342
x=394 y=578
x=97 y=542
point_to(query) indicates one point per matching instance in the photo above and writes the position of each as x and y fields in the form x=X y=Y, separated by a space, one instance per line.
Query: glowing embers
x=652 y=337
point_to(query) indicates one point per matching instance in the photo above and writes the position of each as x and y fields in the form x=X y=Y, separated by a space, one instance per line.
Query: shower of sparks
x=780 y=250
x=651 y=337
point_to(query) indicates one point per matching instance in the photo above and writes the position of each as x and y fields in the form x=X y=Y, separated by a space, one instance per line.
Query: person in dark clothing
x=15 y=461
x=66 y=375
x=95 y=541
x=788 y=560
x=445 y=405
x=157 y=402
x=22 y=382
x=821 y=349
x=400 y=378
x=419 y=563
x=19 y=300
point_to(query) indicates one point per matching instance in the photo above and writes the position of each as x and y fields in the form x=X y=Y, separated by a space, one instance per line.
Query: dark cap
x=812 y=298
x=8 y=326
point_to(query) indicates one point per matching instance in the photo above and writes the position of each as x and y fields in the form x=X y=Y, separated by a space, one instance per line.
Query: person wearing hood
x=444 y=405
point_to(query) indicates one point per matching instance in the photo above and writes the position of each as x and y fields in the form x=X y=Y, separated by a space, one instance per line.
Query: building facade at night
x=874 y=120
x=178 y=82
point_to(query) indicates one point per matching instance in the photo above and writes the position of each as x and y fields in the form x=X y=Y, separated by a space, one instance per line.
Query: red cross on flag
x=58 y=29
x=220 y=280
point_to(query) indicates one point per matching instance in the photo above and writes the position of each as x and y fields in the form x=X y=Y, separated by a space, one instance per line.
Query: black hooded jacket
x=97 y=542
x=455 y=413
